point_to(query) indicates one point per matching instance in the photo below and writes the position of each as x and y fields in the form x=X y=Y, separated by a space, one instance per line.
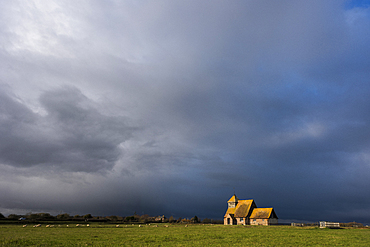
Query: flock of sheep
x=79 y=225
x=39 y=225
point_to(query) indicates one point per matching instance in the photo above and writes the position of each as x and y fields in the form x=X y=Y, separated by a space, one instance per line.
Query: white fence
x=326 y=224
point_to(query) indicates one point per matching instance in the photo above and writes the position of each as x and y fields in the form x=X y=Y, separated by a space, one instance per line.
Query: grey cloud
x=268 y=98
x=73 y=135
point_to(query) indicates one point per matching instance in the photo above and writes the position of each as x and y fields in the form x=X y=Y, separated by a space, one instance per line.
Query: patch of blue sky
x=350 y=4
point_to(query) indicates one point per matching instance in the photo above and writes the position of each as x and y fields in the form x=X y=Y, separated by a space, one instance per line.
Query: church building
x=245 y=212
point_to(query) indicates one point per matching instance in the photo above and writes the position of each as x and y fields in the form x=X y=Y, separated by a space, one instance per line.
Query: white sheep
x=24 y=225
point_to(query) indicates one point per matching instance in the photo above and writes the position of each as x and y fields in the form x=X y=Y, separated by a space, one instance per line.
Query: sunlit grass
x=179 y=235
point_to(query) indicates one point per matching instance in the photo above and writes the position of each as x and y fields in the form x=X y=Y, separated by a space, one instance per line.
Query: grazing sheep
x=47 y=225
x=117 y=225
x=139 y=225
x=186 y=226
x=78 y=225
x=67 y=225
x=88 y=225
x=24 y=225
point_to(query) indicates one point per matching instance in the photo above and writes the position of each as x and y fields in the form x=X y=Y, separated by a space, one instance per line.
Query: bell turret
x=233 y=201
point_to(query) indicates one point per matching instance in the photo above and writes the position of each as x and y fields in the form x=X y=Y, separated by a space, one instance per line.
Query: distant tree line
x=113 y=219
x=46 y=216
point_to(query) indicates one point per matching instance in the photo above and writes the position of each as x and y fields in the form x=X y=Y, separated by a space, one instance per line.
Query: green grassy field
x=179 y=235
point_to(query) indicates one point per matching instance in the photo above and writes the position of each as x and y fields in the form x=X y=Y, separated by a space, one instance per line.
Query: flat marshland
x=179 y=235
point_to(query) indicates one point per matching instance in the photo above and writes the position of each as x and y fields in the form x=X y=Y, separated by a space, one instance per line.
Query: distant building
x=245 y=212
x=160 y=218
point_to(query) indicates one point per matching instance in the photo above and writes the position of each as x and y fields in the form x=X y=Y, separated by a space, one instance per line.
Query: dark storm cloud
x=268 y=98
x=73 y=135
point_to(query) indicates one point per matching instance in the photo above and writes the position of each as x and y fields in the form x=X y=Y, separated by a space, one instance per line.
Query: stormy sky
x=168 y=107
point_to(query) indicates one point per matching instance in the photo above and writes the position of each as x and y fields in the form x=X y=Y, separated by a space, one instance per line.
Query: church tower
x=233 y=201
